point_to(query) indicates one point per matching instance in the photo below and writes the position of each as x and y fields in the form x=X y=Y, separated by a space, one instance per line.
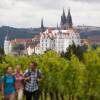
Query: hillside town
x=57 y=39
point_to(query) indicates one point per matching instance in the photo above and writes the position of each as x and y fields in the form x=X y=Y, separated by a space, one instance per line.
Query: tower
x=57 y=26
x=69 y=23
x=63 y=20
x=7 y=46
x=42 y=26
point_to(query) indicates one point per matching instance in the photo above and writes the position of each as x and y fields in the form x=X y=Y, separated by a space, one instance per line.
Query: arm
x=14 y=79
x=26 y=76
x=2 y=89
x=19 y=78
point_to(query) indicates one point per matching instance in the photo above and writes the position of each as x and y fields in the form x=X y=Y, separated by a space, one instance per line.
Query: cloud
x=5 y=4
x=28 y=13
x=90 y=1
x=46 y=4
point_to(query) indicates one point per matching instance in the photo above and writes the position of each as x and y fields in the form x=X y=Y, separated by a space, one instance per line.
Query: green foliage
x=19 y=48
x=1 y=55
x=73 y=78
x=92 y=73
x=2 y=69
x=76 y=50
x=10 y=60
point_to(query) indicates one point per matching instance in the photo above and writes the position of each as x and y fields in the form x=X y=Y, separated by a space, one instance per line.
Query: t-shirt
x=9 y=82
x=19 y=81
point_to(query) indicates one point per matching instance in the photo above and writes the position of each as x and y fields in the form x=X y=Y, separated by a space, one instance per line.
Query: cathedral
x=60 y=38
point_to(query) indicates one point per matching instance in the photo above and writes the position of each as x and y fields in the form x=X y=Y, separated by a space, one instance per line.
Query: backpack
x=28 y=73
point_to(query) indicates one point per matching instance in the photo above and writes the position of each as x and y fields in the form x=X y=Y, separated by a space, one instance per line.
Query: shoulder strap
x=28 y=73
x=38 y=73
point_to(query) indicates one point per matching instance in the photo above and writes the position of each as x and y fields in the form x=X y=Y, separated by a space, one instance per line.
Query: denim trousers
x=32 y=95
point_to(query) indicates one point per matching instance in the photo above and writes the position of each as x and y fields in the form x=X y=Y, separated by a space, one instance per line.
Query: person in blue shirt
x=8 y=85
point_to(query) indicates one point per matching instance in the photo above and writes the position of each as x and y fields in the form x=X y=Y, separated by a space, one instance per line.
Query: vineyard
x=64 y=79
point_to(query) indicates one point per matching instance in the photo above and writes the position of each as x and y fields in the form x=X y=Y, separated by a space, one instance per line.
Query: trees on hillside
x=76 y=50
x=1 y=55
x=18 y=48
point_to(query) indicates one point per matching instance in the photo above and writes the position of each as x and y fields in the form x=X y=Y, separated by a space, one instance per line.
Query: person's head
x=33 y=65
x=18 y=67
x=9 y=70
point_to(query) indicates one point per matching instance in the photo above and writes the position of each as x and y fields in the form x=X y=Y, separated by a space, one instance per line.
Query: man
x=32 y=77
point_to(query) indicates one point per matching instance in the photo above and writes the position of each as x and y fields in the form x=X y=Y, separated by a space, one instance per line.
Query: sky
x=28 y=13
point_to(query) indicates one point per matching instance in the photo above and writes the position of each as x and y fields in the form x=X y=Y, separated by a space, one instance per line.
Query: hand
x=27 y=78
x=3 y=97
x=39 y=79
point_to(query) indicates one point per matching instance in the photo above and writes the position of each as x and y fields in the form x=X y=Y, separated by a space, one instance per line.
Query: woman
x=19 y=82
x=8 y=85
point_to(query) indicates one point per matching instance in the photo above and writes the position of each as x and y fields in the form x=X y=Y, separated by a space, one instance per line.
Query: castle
x=57 y=39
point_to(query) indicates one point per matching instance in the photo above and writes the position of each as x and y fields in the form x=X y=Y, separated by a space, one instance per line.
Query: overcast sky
x=28 y=13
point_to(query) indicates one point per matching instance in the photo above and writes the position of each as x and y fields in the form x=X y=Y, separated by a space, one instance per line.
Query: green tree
x=92 y=74
x=76 y=50
x=1 y=55
x=74 y=78
x=18 y=48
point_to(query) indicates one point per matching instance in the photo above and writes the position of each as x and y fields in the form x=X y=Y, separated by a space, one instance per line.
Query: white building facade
x=58 y=40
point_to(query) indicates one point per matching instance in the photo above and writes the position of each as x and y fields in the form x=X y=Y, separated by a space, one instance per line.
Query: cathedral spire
x=63 y=13
x=69 y=12
x=63 y=20
x=69 y=20
x=42 y=26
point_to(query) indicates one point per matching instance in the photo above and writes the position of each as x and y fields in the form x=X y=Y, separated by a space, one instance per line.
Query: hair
x=19 y=65
x=7 y=68
x=20 y=68
x=33 y=62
